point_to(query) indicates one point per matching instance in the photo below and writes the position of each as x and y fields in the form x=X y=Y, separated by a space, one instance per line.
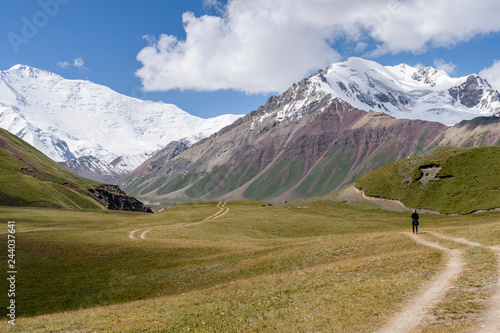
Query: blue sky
x=211 y=57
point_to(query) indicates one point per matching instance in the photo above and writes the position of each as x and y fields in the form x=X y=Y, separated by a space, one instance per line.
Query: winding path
x=490 y=321
x=413 y=314
x=222 y=211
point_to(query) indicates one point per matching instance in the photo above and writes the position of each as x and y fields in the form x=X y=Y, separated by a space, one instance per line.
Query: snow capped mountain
x=91 y=167
x=68 y=119
x=401 y=91
x=323 y=133
x=98 y=131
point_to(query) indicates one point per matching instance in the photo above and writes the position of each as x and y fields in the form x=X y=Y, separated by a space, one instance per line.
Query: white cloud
x=218 y=6
x=448 y=67
x=360 y=47
x=78 y=62
x=63 y=64
x=265 y=45
x=210 y=3
x=492 y=75
x=248 y=51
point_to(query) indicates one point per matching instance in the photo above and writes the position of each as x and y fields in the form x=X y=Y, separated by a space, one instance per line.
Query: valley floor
x=315 y=265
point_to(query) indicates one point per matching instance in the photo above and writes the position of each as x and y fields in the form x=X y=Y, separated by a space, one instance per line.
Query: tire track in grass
x=221 y=208
x=222 y=211
x=131 y=234
x=417 y=308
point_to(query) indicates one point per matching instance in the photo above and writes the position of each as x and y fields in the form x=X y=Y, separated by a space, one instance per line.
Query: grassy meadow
x=315 y=265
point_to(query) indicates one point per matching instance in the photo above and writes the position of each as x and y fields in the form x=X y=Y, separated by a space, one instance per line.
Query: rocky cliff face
x=113 y=198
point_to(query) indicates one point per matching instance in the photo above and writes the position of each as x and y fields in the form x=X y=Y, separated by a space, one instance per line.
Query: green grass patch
x=278 y=179
x=29 y=178
x=237 y=177
x=326 y=175
x=175 y=184
x=469 y=180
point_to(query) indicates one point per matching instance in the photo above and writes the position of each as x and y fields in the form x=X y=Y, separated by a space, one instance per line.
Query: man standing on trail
x=414 y=221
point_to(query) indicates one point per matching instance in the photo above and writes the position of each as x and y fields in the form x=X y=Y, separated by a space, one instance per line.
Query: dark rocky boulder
x=113 y=198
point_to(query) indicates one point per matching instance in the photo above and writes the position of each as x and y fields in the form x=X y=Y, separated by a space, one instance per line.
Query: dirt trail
x=490 y=321
x=222 y=211
x=353 y=194
x=218 y=214
x=131 y=234
x=416 y=310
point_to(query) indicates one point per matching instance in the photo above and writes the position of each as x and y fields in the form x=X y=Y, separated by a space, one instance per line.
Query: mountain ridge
x=308 y=141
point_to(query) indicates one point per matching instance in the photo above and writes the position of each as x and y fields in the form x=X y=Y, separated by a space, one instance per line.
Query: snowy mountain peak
x=401 y=91
x=17 y=67
x=429 y=75
x=26 y=72
x=478 y=82
x=357 y=64
x=75 y=118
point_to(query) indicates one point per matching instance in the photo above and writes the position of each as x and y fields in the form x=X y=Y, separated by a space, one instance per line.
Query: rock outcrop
x=113 y=198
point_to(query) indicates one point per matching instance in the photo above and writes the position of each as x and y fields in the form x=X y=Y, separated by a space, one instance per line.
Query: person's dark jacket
x=414 y=218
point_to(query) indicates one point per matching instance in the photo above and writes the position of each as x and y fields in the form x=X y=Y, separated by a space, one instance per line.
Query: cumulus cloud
x=265 y=45
x=448 y=67
x=254 y=54
x=63 y=64
x=78 y=63
x=492 y=75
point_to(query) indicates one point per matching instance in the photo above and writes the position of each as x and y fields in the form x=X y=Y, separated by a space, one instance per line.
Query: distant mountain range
x=91 y=128
x=323 y=133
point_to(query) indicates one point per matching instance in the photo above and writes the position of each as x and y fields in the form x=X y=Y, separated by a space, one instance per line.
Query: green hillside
x=467 y=179
x=29 y=178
